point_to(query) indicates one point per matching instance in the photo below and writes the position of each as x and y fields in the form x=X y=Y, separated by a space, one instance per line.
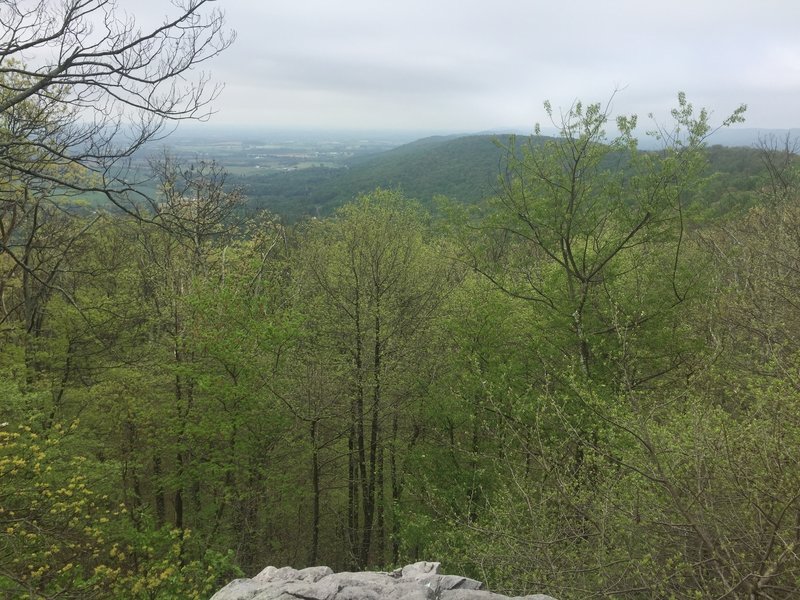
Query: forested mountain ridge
x=459 y=167
x=462 y=168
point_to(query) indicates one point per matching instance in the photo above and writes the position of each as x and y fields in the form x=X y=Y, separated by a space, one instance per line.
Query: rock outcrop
x=420 y=581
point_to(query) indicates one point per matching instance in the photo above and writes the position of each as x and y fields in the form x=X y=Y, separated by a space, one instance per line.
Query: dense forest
x=461 y=167
x=585 y=384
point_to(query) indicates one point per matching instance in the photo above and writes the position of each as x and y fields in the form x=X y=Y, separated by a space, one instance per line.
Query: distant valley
x=302 y=175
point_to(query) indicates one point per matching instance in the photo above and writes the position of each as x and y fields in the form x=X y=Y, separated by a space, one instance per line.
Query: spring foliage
x=586 y=386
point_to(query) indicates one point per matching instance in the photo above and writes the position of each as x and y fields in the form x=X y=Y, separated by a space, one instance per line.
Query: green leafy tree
x=381 y=286
x=581 y=218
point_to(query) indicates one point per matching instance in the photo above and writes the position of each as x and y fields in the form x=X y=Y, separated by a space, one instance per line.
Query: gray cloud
x=468 y=65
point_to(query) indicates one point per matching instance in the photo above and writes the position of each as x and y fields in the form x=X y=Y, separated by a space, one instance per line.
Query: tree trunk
x=380 y=524
x=369 y=482
x=395 y=484
x=315 y=492
x=159 y=500
x=352 y=493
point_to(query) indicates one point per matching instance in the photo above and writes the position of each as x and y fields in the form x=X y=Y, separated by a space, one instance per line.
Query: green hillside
x=464 y=168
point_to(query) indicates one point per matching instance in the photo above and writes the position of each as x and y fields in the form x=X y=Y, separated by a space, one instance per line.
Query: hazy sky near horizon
x=470 y=65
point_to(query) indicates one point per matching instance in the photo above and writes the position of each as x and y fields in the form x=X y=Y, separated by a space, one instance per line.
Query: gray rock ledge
x=420 y=581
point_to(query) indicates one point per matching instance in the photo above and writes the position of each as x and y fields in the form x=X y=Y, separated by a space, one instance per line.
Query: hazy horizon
x=733 y=136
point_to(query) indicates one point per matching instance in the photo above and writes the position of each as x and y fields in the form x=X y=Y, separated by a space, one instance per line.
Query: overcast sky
x=467 y=65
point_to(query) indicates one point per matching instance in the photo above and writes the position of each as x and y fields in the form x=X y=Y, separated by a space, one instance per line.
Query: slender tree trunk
x=178 y=497
x=179 y=397
x=474 y=465
x=252 y=522
x=352 y=492
x=315 y=493
x=370 y=480
x=395 y=485
x=159 y=500
x=132 y=491
x=229 y=484
x=380 y=525
x=380 y=514
x=179 y=459
x=360 y=442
